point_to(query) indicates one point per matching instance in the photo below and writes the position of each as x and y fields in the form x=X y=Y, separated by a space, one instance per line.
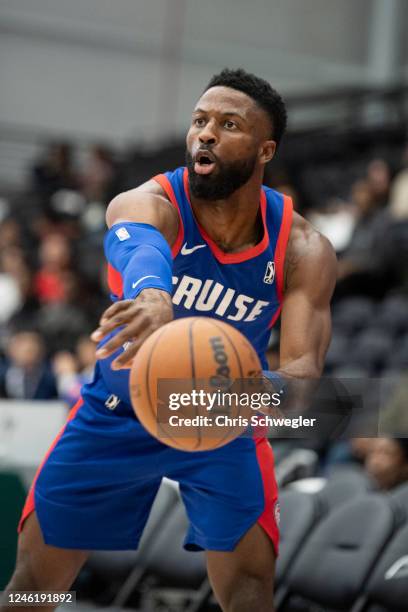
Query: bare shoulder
x=152 y=187
x=143 y=191
x=147 y=203
x=310 y=256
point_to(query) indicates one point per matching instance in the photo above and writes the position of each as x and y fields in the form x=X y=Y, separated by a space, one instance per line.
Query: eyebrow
x=225 y=113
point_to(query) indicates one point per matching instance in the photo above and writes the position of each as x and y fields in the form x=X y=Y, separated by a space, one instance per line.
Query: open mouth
x=204 y=162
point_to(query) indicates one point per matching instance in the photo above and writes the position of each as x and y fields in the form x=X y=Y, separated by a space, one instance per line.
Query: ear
x=267 y=151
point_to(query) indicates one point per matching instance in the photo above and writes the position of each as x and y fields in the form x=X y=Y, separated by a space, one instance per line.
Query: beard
x=219 y=185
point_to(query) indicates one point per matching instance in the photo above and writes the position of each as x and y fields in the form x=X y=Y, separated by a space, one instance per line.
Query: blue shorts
x=98 y=482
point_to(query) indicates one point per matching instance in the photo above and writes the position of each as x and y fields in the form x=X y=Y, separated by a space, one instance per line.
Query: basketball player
x=208 y=240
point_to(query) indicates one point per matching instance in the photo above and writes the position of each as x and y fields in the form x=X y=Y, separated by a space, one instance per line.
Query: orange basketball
x=185 y=381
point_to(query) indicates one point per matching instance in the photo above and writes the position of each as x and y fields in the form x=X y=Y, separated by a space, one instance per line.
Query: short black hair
x=260 y=91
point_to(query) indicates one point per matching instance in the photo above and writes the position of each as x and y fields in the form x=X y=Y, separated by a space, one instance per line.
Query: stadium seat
x=391 y=315
x=337 y=353
x=117 y=566
x=399 y=357
x=351 y=371
x=396 y=252
x=345 y=484
x=169 y=570
x=399 y=496
x=299 y=463
x=295 y=526
x=332 y=567
x=371 y=349
x=352 y=314
x=388 y=584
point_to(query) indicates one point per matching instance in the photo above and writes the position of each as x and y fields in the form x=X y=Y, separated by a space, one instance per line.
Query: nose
x=207 y=135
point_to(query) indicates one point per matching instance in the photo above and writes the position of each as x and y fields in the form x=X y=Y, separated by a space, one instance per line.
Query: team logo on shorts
x=112 y=402
x=269 y=273
x=277 y=513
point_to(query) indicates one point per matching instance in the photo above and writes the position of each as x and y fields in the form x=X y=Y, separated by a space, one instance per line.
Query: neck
x=234 y=223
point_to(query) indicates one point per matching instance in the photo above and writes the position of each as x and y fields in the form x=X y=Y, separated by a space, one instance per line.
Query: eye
x=230 y=125
x=199 y=121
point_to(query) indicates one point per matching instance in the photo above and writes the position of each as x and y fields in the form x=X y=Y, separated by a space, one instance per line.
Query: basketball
x=186 y=355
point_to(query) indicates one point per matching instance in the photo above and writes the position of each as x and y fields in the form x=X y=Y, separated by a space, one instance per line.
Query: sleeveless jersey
x=243 y=289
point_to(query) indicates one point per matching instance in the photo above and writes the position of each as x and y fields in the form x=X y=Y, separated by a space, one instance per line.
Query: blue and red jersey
x=243 y=289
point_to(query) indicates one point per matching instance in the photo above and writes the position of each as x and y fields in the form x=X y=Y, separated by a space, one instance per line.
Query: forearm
x=142 y=256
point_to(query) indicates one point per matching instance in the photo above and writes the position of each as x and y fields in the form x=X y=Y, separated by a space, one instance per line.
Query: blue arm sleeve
x=141 y=254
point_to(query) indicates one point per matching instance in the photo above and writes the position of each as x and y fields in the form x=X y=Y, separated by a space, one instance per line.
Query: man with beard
x=206 y=240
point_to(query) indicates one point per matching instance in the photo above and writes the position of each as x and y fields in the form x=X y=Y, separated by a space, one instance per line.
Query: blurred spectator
x=63 y=213
x=55 y=171
x=15 y=285
x=98 y=175
x=379 y=180
x=10 y=233
x=362 y=262
x=354 y=450
x=55 y=260
x=65 y=368
x=387 y=461
x=85 y=352
x=72 y=371
x=11 y=300
x=63 y=320
x=336 y=222
x=27 y=374
x=399 y=192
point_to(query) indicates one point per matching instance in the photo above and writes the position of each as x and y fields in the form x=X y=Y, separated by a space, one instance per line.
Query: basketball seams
x=225 y=333
x=147 y=382
x=193 y=373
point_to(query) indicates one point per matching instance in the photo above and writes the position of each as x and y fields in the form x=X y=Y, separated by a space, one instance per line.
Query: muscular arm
x=152 y=307
x=145 y=204
x=310 y=276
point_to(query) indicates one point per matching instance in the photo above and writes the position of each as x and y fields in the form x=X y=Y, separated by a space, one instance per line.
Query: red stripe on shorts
x=29 y=505
x=270 y=516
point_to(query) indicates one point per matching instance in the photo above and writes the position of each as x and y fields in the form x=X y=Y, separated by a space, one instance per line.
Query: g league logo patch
x=269 y=273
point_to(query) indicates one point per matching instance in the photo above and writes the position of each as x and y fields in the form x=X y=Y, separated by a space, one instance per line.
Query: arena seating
x=114 y=569
x=295 y=526
x=344 y=484
x=387 y=587
x=340 y=553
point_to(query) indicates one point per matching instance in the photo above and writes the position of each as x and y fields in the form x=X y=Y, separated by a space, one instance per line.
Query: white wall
x=126 y=69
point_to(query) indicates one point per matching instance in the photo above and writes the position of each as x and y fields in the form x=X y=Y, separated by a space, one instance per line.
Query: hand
x=139 y=318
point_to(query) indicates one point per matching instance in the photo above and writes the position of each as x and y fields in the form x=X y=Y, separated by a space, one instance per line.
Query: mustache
x=202 y=149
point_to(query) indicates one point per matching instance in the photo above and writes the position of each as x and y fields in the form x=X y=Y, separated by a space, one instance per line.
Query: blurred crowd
x=52 y=274
x=52 y=271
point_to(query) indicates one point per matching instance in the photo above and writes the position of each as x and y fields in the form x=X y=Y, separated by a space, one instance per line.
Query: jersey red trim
x=275 y=316
x=270 y=515
x=232 y=258
x=168 y=188
x=280 y=250
x=115 y=282
x=29 y=505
